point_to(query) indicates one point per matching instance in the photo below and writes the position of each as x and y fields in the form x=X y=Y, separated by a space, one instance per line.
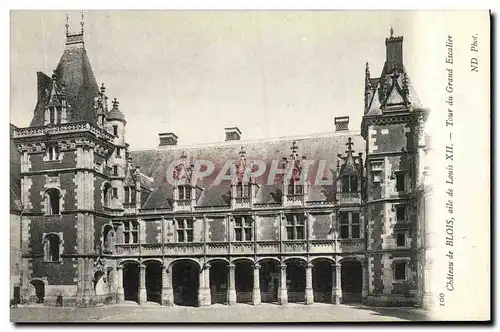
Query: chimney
x=168 y=139
x=394 y=52
x=233 y=134
x=342 y=123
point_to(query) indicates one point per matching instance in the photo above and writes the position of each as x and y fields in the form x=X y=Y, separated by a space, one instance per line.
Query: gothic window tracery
x=184 y=230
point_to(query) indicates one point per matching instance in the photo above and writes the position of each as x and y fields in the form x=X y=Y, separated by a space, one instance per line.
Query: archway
x=219 y=281
x=131 y=281
x=39 y=290
x=153 y=281
x=322 y=280
x=296 y=280
x=351 y=281
x=100 y=286
x=185 y=282
x=269 y=276
x=243 y=275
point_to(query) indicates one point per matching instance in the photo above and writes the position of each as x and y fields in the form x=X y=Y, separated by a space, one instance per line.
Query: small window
x=52 y=115
x=53 y=152
x=294 y=188
x=118 y=153
x=243 y=228
x=355 y=226
x=295 y=227
x=107 y=192
x=131 y=231
x=243 y=190
x=59 y=115
x=400 y=182
x=399 y=270
x=401 y=239
x=115 y=170
x=184 y=192
x=115 y=130
x=51 y=248
x=185 y=230
x=52 y=201
x=344 y=225
x=127 y=195
x=401 y=213
x=115 y=192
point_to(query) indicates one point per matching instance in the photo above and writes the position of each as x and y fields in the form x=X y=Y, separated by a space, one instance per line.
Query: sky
x=193 y=73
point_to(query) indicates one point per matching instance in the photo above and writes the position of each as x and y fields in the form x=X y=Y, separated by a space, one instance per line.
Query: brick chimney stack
x=394 y=52
x=341 y=123
x=168 y=139
x=233 y=134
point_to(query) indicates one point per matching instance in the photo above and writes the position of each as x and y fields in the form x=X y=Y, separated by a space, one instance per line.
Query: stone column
x=309 y=287
x=142 y=284
x=283 y=292
x=167 y=293
x=120 y=292
x=256 y=285
x=337 y=287
x=231 y=290
x=364 y=289
x=204 y=298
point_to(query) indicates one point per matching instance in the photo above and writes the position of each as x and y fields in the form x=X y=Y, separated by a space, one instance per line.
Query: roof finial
x=115 y=103
x=82 y=23
x=294 y=149
x=391 y=32
x=67 y=25
x=349 y=144
x=103 y=89
x=242 y=152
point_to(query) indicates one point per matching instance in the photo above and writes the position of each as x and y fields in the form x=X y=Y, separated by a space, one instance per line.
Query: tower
x=392 y=128
x=65 y=178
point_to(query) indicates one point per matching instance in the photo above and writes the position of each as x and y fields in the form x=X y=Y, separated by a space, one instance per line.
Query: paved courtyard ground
x=216 y=313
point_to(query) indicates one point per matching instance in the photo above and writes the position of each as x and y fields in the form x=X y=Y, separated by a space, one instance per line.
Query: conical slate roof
x=115 y=113
x=74 y=72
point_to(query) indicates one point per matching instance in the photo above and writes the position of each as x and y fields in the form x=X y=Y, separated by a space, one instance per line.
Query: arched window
x=52 y=201
x=51 y=247
x=106 y=193
x=108 y=239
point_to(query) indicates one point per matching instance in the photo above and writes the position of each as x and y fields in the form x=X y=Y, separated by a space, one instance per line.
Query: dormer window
x=53 y=152
x=294 y=188
x=53 y=115
x=115 y=170
x=184 y=192
x=118 y=153
x=243 y=190
x=349 y=183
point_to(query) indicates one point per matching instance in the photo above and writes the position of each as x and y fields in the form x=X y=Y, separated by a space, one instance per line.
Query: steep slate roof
x=75 y=73
x=154 y=163
x=15 y=176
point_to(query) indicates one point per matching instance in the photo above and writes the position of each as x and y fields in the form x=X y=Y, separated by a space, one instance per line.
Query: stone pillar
x=364 y=289
x=256 y=285
x=167 y=292
x=142 y=284
x=231 y=290
x=204 y=298
x=337 y=287
x=120 y=292
x=86 y=286
x=309 y=287
x=283 y=292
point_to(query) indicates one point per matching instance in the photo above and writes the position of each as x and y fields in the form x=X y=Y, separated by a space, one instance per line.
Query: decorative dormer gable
x=183 y=172
x=349 y=170
x=56 y=107
x=293 y=181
